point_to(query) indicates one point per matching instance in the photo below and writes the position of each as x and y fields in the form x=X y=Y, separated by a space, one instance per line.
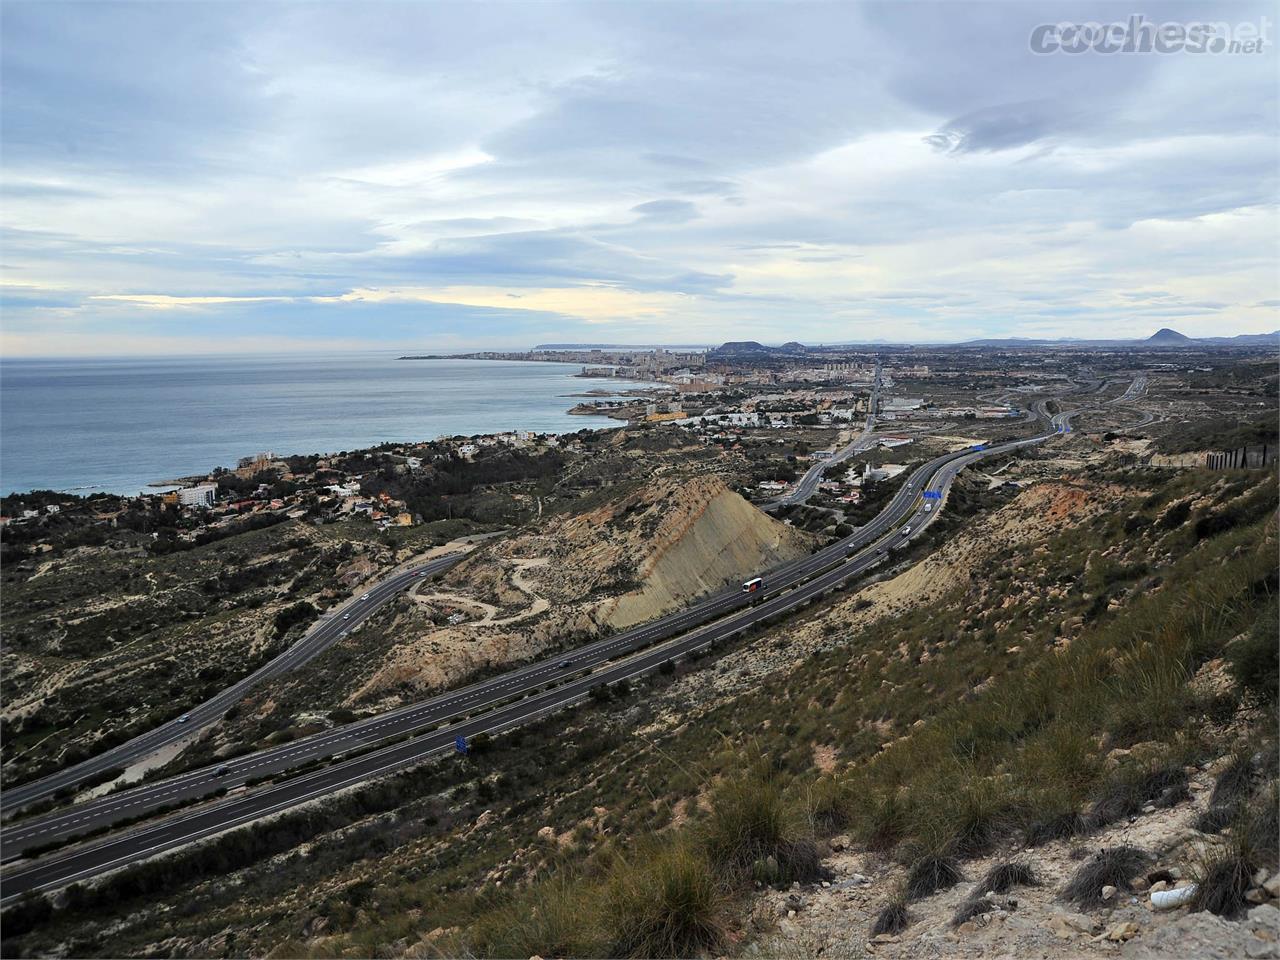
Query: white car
x=184 y=718
x=365 y=597
x=346 y=616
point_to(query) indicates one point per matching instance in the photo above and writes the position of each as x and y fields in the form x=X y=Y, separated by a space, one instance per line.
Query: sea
x=122 y=425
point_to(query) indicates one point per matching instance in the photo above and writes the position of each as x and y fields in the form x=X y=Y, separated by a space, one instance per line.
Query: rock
x=547 y=833
x=1256 y=895
x=1159 y=885
x=1175 y=872
x=841 y=842
x=1120 y=932
x=1272 y=886
x=1108 y=892
x=885 y=938
x=1141 y=883
x=1068 y=925
x=1267 y=914
x=1260 y=876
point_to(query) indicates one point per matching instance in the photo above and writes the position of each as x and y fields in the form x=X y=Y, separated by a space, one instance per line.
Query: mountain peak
x=1166 y=336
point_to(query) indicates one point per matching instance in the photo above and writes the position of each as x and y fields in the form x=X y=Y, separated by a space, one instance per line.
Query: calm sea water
x=120 y=424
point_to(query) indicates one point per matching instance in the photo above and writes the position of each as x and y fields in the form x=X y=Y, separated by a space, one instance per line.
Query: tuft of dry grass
x=893 y=918
x=669 y=905
x=1112 y=866
x=1004 y=877
x=973 y=907
x=931 y=873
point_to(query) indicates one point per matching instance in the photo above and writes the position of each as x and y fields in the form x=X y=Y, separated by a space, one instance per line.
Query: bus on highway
x=752 y=585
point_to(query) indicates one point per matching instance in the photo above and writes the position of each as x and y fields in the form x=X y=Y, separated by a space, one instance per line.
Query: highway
x=498 y=703
x=328 y=630
x=808 y=483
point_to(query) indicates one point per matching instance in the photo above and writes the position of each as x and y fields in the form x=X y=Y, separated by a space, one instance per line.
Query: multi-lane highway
x=327 y=631
x=808 y=483
x=498 y=703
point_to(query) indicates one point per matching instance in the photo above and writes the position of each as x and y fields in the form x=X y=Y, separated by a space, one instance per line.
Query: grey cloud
x=666 y=211
x=1001 y=127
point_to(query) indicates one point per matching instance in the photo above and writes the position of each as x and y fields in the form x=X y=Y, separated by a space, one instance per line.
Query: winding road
x=501 y=702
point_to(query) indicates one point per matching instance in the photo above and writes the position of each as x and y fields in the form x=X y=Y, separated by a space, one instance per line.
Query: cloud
x=666 y=211
x=445 y=172
x=1001 y=127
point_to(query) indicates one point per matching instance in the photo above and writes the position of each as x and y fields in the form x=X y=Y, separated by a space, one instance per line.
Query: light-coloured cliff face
x=635 y=558
x=707 y=536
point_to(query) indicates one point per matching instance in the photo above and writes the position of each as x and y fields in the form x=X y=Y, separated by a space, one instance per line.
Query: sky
x=213 y=178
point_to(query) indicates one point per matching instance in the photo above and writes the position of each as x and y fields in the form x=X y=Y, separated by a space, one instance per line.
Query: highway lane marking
x=842 y=572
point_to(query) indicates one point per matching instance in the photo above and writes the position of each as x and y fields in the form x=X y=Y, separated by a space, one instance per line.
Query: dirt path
x=491 y=618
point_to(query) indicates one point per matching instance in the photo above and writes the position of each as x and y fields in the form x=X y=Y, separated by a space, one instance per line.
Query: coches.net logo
x=1140 y=35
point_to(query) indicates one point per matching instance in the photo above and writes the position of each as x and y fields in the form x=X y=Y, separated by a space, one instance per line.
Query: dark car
x=222 y=771
x=565 y=664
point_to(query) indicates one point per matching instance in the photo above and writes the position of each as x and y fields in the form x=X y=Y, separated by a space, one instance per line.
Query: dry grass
x=1113 y=866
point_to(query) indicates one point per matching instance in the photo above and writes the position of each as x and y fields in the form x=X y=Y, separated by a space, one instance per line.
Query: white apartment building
x=201 y=495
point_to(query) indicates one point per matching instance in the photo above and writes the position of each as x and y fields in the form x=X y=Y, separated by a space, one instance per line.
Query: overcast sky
x=440 y=176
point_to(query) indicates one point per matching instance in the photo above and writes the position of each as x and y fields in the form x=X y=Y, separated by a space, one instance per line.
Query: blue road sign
x=460 y=744
x=932 y=495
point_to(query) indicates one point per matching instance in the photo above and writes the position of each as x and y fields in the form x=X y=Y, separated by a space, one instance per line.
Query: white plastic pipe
x=1168 y=899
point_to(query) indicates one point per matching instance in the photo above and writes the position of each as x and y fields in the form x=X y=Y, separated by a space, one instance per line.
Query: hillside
x=1081 y=667
x=630 y=559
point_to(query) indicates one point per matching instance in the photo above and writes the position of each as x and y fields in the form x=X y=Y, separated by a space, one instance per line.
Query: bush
x=828 y=804
x=1114 y=867
x=1126 y=794
x=1056 y=827
x=931 y=873
x=749 y=829
x=973 y=907
x=667 y=906
x=1005 y=876
x=1254 y=659
x=1222 y=885
x=552 y=919
x=894 y=918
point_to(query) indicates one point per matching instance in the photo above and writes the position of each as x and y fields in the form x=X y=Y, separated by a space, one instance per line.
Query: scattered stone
x=1141 y=884
x=1267 y=915
x=840 y=843
x=1108 y=892
x=1256 y=895
x=1068 y=925
x=1120 y=932
x=1159 y=885
x=1272 y=886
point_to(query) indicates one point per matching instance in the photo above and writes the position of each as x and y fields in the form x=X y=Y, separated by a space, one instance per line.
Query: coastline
x=133 y=427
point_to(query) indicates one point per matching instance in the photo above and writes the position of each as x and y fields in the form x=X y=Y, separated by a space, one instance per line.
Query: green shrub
x=555 y=918
x=751 y=830
x=667 y=905
x=1255 y=659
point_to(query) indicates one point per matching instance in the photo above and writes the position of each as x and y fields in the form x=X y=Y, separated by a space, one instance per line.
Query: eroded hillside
x=1086 y=663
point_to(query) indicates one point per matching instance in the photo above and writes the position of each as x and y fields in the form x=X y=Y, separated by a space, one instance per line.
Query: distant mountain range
x=1162 y=338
